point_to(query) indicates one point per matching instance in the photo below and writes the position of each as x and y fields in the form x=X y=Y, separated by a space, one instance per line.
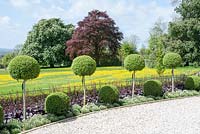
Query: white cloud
x=52 y=11
x=24 y=3
x=19 y=3
x=7 y=24
x=132 y=16
x=4 y=20
x=10 y=32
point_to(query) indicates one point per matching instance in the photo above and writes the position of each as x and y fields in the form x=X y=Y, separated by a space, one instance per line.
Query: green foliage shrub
x=61 y=117
x=178 y=94
x=76 y=106
x=76 y=109
x=83 y=65
x=195 y=64
x=23 y=67
x=92 y=107
x=85 y=109
x=134 y=62
x=192 y=83
x=5 y=131
x=69 y=114
x=109 y=105
x=15 y=131
x=135 y=100
x=14 y=123
x=116 y=104
x=172 y=60
x=52 y=117
x=35 y=121
x=102 y=107
x=1 y=115
x=152 y=88
x=12 y=127
x=57 y=103
x=108 y=94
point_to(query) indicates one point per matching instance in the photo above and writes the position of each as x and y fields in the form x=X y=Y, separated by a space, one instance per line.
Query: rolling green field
x=61 y=77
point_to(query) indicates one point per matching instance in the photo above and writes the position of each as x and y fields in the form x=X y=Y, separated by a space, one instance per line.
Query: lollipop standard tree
x=83 y=65
x=133 y=63
x=172 y=60
x=24 y=68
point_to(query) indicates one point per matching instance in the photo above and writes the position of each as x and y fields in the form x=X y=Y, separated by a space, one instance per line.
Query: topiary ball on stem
x=24 y=67
x=172 y=60
x=1 y=115
x=109 y=94
x=152 y=88
x=134 y=62
x=83 y=65
x=57 y=103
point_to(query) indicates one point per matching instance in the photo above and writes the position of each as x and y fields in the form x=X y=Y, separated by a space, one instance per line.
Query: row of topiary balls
x=59 y=103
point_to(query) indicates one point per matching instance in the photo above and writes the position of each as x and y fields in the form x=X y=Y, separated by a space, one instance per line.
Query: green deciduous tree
x=46 y=41
x=24 y=68
x=184 y=33
x=157 y=46
x=7 y=58
x=126 y=49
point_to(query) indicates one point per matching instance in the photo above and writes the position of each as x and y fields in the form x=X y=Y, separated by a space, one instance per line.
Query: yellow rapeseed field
x=58 y=77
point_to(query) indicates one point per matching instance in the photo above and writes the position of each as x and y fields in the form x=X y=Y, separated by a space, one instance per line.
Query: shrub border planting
x=113 y=108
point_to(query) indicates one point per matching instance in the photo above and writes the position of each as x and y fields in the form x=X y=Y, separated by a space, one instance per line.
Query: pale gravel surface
x=180 y=116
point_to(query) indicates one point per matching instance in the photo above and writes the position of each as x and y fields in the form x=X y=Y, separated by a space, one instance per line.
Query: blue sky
x=133 y=17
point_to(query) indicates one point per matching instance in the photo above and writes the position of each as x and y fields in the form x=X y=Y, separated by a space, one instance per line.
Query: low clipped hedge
x=57 y=103
x=1 y=115
x=192 y=83
x=152 y=88
x=108 y=94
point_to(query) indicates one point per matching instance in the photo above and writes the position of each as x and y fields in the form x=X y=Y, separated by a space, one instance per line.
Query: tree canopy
x=184 y=33
x=7 y=58
x=46 y=41
x=127 y=48
x=96 y=35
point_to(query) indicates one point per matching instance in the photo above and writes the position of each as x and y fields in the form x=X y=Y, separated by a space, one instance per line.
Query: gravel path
x=170 y=117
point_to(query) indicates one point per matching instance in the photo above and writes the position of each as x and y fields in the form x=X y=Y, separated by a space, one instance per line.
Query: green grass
x=57 y=77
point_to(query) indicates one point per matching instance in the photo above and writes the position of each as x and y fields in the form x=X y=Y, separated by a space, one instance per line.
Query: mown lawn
x=57 y=77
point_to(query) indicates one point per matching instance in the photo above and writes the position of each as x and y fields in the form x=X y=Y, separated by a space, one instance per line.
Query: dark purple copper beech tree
x=96 y=36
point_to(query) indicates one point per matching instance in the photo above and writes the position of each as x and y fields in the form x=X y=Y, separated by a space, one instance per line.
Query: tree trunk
x=51 y=65
x=84 y=88
x=97 y=61
x=172 y=79
x=24 y=98
x=133 y=83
